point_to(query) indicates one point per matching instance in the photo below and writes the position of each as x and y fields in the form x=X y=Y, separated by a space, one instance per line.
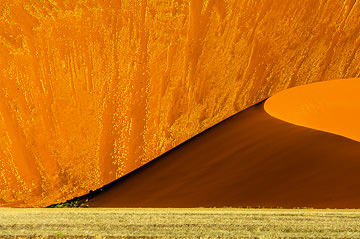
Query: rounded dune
x=331 y=106
x=253 y=159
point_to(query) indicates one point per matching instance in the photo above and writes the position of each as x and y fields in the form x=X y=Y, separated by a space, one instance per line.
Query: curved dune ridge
x=331 y=106
x=250 y=159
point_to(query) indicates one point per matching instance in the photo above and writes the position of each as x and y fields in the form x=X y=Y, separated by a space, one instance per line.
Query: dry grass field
x=178 y=223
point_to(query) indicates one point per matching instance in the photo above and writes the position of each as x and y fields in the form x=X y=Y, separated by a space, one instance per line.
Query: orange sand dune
x=332 y=106
x=250 y=159
x=93 y=89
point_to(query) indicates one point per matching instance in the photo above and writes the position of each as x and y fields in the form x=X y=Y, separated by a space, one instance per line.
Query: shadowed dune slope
x=250 y=159
x=331 y=106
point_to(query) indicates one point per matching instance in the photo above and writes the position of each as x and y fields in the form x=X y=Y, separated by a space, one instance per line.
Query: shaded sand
x=250 y=159
x=331 y=106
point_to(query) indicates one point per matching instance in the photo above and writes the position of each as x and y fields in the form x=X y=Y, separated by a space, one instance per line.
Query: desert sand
x=250 y=159
x=93 y=89
x=331 y=106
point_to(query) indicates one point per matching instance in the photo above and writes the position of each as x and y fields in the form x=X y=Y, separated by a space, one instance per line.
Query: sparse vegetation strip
x=178 y=223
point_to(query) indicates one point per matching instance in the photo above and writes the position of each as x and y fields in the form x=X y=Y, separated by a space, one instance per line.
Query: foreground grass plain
x=178 y=223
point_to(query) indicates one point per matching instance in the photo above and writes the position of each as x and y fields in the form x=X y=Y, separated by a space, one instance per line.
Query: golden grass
x=175 y=223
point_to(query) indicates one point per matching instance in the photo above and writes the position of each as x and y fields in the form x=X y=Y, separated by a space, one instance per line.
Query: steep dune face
x=90 y=90
x=332 y=106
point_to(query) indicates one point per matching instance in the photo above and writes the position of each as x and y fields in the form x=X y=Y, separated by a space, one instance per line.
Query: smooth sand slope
x=331 y=106
x=251 y=159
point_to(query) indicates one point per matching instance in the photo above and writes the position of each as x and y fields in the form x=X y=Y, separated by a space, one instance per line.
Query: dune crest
x=331 y=106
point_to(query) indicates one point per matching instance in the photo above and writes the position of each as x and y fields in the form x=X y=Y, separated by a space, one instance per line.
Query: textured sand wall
x=92 y=89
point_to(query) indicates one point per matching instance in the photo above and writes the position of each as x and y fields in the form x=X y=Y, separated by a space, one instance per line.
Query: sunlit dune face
x=332 y=106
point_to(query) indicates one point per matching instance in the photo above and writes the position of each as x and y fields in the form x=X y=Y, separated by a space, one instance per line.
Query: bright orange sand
x=93 y=89
x=332 y=106
x=250 y=159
